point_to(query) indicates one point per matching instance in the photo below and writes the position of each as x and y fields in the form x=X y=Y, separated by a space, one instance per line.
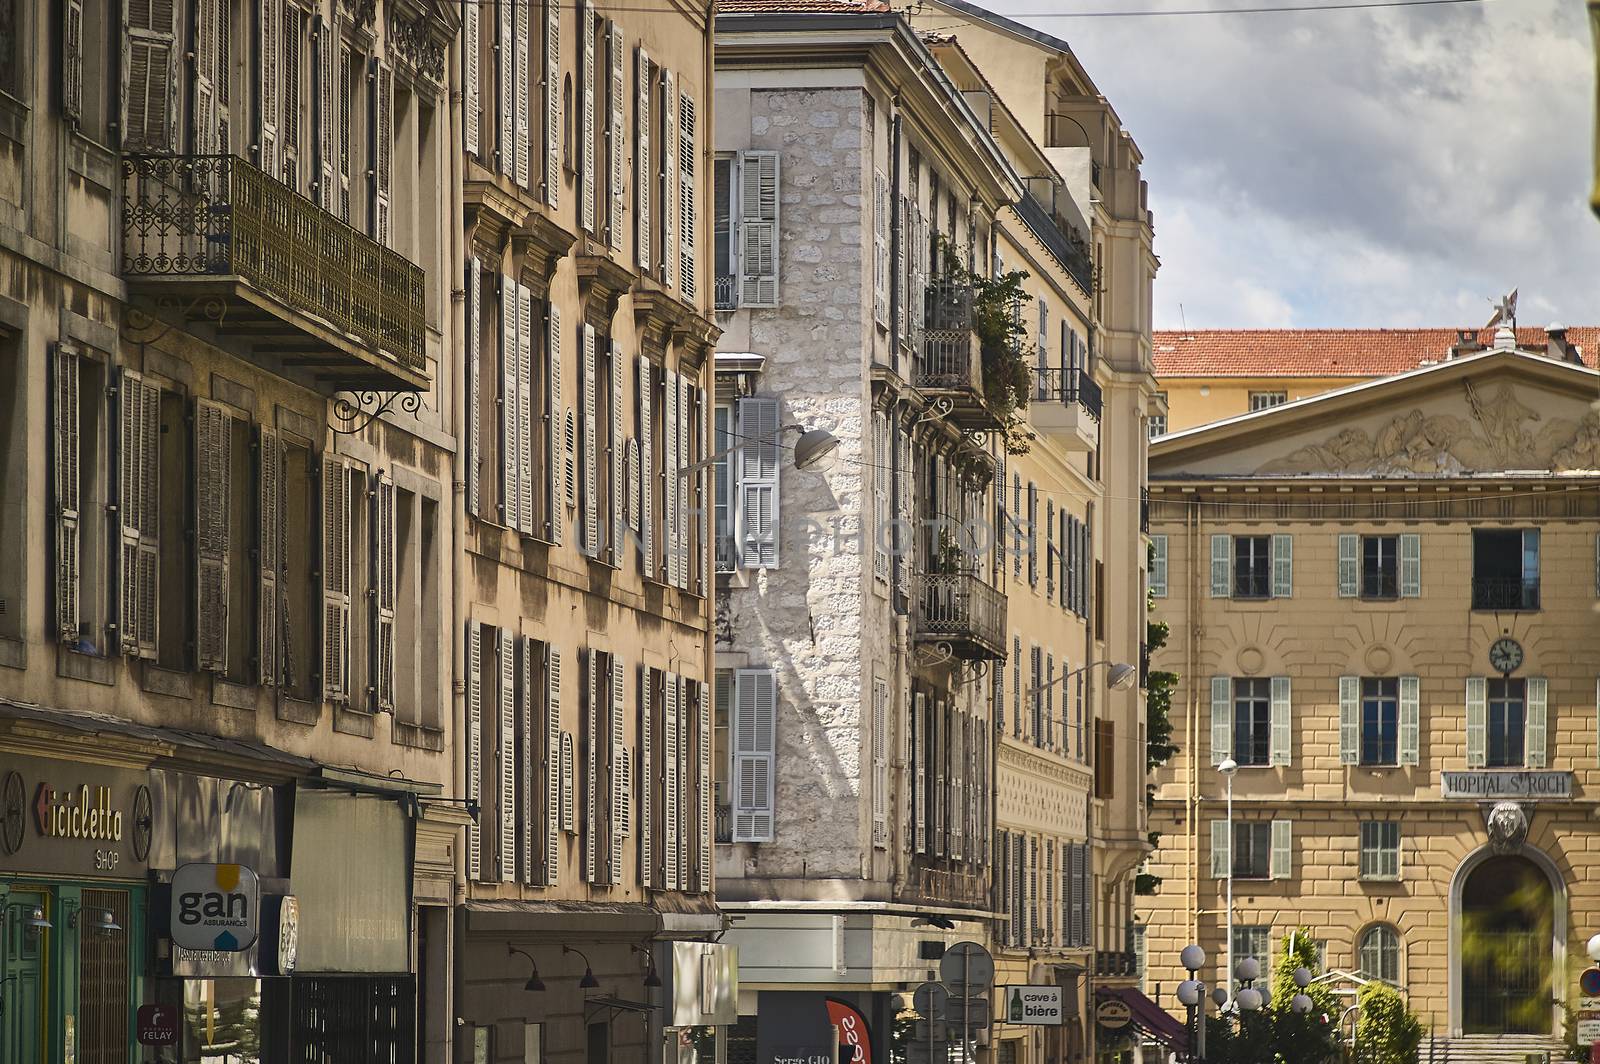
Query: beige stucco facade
x=1193 y=401
x=1349 y=687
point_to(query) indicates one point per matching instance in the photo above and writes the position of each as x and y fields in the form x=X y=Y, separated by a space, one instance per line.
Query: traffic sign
x=924 y=1031
x=930 y=1001
x=1589 y=982
x=1588 y=1031
x=966 y=967
x=973 y=1012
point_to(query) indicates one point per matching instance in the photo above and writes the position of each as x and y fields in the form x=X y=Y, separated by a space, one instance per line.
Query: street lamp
x=1302 y=1003
x=1228 y=767
x=1191 y=992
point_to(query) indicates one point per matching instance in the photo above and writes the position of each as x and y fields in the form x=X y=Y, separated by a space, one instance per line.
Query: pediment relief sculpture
x=1503 y=432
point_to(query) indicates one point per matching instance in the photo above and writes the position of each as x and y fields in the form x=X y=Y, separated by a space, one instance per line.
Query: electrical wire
x=667 y=8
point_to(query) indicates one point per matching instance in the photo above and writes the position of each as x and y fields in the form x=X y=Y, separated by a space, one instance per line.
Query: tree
x=1159 y=747
x=1388 y=1032
x=1276 y=1034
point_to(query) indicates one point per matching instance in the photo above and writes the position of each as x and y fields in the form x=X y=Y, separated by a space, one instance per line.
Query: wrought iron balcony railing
x=725 y=293
x=255 y=253
x=1069 y=385
x=963 y=611
x=1144 y=509
x=949 y=360
x=1505 y=593
x=1115 y=964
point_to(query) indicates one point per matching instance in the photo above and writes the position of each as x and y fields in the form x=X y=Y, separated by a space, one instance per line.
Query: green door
x=23 y=969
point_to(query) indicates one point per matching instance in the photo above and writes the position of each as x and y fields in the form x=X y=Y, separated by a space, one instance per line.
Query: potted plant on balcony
x=997 y=320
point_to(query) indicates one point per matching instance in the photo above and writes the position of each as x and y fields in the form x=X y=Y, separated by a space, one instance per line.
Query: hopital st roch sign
x=1514 y=784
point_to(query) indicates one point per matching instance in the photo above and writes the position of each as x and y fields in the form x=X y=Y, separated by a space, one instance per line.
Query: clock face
x=1505 y=655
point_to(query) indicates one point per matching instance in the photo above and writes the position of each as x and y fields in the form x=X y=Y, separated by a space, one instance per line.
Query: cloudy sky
x=1383 y=167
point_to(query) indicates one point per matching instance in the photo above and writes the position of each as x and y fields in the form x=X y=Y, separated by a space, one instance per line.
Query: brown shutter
x=138 y=492
x=64 y=462
x=383 y=565
x=150 y=76
x=382 y=151
x=213 y=493
x=335 y=561
x=72 y=60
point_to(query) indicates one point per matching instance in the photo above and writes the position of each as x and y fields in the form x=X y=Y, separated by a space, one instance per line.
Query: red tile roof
x=798 y=7
x=1331 y=352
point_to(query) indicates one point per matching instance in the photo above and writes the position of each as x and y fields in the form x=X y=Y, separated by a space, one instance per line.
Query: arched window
x=1379 y=953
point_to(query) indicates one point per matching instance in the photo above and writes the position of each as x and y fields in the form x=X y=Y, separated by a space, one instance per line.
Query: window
x=722 y=757
x=1254 y=942
x=1158 y=566
x=300 y=608
x=1379 y=953
x=754 y=749
x=745 y=230
x=722 y=442
x=1507 y=721
x=1158 y=425
x=1267 y=400
x=1252 y=721
x=417 y=650
x=1380 y=849
x=1505 y=569
x=1252 y=851
x=14 y=427
x=722 y=231
x=1380 y=720
x=11 y=75
x=175 y=608
x=1380 y=567
x=1252 y=567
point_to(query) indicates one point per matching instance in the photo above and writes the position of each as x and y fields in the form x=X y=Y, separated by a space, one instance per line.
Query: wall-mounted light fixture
x=588 y=982
x=534 y=983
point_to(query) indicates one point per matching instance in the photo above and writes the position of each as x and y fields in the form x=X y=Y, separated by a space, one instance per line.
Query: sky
x=1391 y=167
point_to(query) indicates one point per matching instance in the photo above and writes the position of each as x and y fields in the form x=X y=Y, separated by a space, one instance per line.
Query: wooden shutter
x=552 y=101
x=1282 y=861
x=554 y=435
x=204 y=66
x=591 y=470
x=344 y=91
x=586 y=135
x=1535 y=726
x=754 y=754
x=670 y=836
x=685 y=457
x=758 y=228
x=759 y=457
x=703 y=825
x=703 y=487
x=522 y=87
x=385 y=583
x=324 y=57
x=1282 y=566
x=621 y=775
x=881 y=516
x=647 y=469
x=880 y=763
x=669 y=479
x=1221 y=719
x=880 y=247
x=382 y=151
x=669 y=178
x=335 y=563
x=920 y=755
x=270 y=559
x=138 y=494
x=505 y=93
x=212 y=501
x=72 y=61
x=569 y=821
x=510 y=403
x=1221 y=849
x=647 y=778
x=552 y=766
x=1049 y=549
x=1221 y=566
x=506 y=758
x=470 y=91
x=591 y=762
x=150 y=76
x=475 y=747
x=1349 y=565
x=1349 y=720
x=65 y=455
x=619 y=488
x=524 y=375
x=1477 y=722
x=1410 y=720
x=688 y=216
x=474 y=344
x=1410 y=565
x=615 y=146
x=643 y=176
x=1281 y=735
x=685 y=779
x=530 y=837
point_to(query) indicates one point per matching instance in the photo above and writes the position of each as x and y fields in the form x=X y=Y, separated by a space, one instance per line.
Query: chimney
x=1559 y=347
x=1466 y=343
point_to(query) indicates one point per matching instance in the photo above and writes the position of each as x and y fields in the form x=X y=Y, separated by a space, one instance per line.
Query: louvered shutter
x=688 y=215
x=938 y=801
x=1349 y=565
x=470 y=91
x=552 y=766
x=591 y=763
x=381 y=130
x=1048 y=738
x=324 y=55
x=669 y=479
x=880 y=247
x=270 y=559
x=522 y=88
x=505 y=757
x=647 y=470
x=1221 y=719
x=881 y=517
x=1535 y=726
x=138 y=492
x=754 y=754
x=619 y=489
x=686 y=456
x=643 y=177
x=1016 y=687
x=1030 y=895
x=213 y=499
x=335 y=564
x=621 y=775
x=1221 y=566
x=647 y=778
x=554 y=433
x=670 y=838
x=685 y=780
x=474 y=344
x=505 y=94
x=203 y=62
x=669 y=179
x=510 y=454
x=880 y=763
x=586 y=136
x=1410 y=720
x=591 y=470
x=530 y=835
x=524 y=428
x=616 y=142
x=758 y=228
x=344 y=91
x=552 y=101
x=702 y=828
x=1050 y=893
x=475 y=747
x=1410 y=565
x=1349 y=720
x=1282 y=566
x=1477 y=722
x=759 y=459
x=1281 y=735
x=1221 y=849
x=1086 y=892
x=702 y=489
x=1282 y=861
x=1033 y=535
x=149 y=77
x=920 y=755
x=65 y=457
x=385 y=583
x=569 y=821
x=72 y=60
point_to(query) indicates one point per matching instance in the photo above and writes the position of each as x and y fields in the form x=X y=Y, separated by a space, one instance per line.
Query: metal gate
x=103 y=978
x=354 y=1021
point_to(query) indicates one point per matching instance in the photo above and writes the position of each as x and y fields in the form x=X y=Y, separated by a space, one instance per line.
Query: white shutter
x=552 y=101
x=524 y=522
x=470 y=91
x=621 y=776
x=686 y=456
x=554 y=434
x=647 y=778
x=754 y=754
x=65 y=456
x=382 y=154
x=569 y=782
x=552 y=765
x=1477 y=722
x=149 y=79
x=474 y=441
x=510 y=401
x=670 y=837
x=530 y=832
x=880 y=247
x=619 y=489
x=591 y=763
x=688 y=217
x=1282 y=566
x=1410 y=565
x=586 y=134
x=1535 y=727
x=1282 y=861
x=1410 y=720
x=335 y=564
x=475 y=747
x=522 y=87
x=1158 y=566
x=1281 y=737
x=591 y=470
x=880 y=763
x=505 y=90
x=138 y=494
x=506 y=758
x=1349 y=565
x=669 y=178
x=1221 y=566
x=213 y=501
x=1349 y=720
x=1221 y=849
x=703 y=827
x=1221 y=719
x=759 y=460
x=669 y=479
x=325 y=54
x=919 y=756
x=647 y=469
x=615 y=142
x=758 y=228
x=643 y=178
x=383 y=563
x=685 y=843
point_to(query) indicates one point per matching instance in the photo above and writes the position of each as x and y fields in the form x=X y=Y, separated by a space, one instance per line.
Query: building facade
x=1382 y=608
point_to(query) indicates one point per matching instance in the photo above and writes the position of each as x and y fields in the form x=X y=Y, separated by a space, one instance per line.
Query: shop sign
x=215 y=907
x=1588 y=1032
x=280 y=915
x=1506 y=784
x=1113 y=1015
x=85 y=819
x=157 y=1025
x=705 y=984
x=854 y=1038
x=1035 y=1006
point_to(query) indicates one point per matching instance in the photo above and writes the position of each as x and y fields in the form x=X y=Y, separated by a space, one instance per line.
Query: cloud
x=1392 y=167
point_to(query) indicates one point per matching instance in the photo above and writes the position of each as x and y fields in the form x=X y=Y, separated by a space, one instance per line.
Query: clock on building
x=1505 y=654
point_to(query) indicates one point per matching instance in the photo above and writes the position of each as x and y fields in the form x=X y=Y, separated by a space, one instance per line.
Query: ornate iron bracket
x=354 y=411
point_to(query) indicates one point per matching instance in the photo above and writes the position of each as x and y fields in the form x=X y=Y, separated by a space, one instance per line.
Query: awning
x=1149 y=1017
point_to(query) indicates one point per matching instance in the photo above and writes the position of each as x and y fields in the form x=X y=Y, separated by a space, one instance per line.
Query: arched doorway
x=1507 y=919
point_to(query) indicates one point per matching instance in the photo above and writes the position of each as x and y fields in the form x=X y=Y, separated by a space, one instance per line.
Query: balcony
x=210 y=239
x=963 y=611
x=1504 y=593
x=1052 y=231
x=949 y=366
x=1144 y=510
x=1109 y=964
x=725 y=293
x=1066 y=405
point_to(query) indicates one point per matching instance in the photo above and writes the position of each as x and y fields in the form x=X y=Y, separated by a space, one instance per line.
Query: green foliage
x=1276 y=1034
x=1388 y=1032
x=1159 y=747
x=997 y=319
